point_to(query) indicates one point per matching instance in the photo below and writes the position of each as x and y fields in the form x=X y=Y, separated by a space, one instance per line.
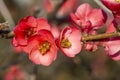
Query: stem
x=100 y=36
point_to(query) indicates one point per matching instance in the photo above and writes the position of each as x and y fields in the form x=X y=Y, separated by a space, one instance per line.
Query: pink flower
x=43 y=48
x=87 y=18
x=112 y=46
x=69 y=41
x=113 y=5
x=67 y=7
x=15 y=74
x=26 y=28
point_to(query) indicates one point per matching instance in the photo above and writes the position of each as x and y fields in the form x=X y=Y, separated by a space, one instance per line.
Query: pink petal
x=81 y=14
x=83 y=11
x=32 y=42
x=14 y=42
x=17 y=49
x=38 y=58
x=55 y=31
x=35 y=57
x=93 y=18
x=116 y=57
x=111 y=28
x=21 y=39
x=113 y=46
x=42 y=24
x=75 y=19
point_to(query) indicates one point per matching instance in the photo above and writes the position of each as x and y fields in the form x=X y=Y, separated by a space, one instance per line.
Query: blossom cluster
x=40 y=40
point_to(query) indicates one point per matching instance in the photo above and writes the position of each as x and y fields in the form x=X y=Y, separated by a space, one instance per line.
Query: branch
x=100 y=36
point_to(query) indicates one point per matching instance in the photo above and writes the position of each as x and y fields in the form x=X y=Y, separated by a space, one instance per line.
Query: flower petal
x=95 y=21
x=42 y=24
x=29 y=21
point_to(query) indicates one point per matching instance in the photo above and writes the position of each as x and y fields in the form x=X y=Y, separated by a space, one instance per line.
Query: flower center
x=65 y=43
x=118 y=1
x=29 y=32
x=44 y=47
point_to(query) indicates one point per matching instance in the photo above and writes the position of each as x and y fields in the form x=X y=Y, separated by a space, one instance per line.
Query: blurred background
x=85 y=66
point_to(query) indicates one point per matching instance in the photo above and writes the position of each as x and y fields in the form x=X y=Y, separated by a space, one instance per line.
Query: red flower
x=87 y=18
x=113 y=5
x=43 y=48
x=112 y=46
x=69 y=41
x=67 y=7
x=15 y=74
x=26 y=28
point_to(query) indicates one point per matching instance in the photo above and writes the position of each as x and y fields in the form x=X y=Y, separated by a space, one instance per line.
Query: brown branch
x=100 y=36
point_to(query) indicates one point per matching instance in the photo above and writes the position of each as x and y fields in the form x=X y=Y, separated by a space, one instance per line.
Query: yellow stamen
x=65 y=43
x=44 y=47
x=29 y=32
x=117 y=1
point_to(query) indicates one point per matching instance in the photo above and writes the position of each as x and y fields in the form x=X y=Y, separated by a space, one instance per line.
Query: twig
x=100 y=36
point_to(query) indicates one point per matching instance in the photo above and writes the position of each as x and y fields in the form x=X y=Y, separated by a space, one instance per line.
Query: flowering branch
x=6 y=33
